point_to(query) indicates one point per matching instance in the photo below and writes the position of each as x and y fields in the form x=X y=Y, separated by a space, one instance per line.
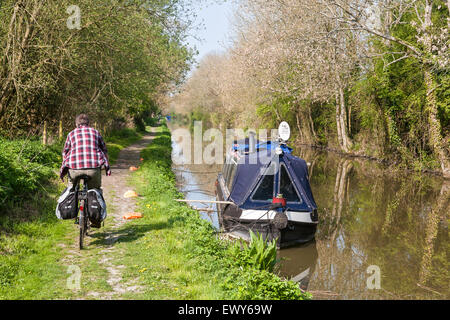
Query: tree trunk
x=5 y=67
x=388 y=22
x=341 y=116
x=338 y=123
x=299 y=127
x=306 y=129
x=311 y=125
x=349 y=119
x=15 y=50
x=434 y=125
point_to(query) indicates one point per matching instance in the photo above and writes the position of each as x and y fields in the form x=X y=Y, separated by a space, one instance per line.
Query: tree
x=430 y=46
x=118 y=62
x=293 y=50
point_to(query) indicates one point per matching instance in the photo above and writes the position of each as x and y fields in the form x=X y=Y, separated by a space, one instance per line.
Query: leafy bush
x=122 y=135
x=33 y=151
x=153 y=122
x=258 y=253
x=246 y=273
x=25 y=166
x=250 y=283
x=119 y=139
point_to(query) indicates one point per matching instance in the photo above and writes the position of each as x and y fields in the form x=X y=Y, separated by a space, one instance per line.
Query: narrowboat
x=264 y=188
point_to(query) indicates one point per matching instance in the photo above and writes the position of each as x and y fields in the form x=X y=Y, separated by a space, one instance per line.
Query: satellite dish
x=284 y=131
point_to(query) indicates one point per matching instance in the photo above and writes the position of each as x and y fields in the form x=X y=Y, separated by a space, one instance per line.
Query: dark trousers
x=96 y=177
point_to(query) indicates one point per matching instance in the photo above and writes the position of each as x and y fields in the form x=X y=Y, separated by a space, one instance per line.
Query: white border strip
x=296 y=216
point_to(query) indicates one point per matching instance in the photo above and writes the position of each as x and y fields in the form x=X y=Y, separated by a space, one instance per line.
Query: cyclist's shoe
x=97 y=225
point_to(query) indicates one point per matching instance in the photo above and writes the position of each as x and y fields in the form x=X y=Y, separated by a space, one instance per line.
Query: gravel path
x=114 y=188
x=116 y=185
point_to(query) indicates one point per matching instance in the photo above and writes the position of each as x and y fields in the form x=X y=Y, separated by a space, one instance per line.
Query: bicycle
x=83 y=217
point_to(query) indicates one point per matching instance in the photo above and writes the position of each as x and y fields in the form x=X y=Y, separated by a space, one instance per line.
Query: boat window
x=264 y=192
x=287 y=188
x=232 y=172
x=227 y=167
x=225 y=170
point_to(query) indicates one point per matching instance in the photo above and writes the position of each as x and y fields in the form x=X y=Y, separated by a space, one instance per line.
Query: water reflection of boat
x=298 y=263
x=264 y=188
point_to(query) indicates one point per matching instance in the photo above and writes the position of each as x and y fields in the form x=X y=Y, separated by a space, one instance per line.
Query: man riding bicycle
x=84 y=154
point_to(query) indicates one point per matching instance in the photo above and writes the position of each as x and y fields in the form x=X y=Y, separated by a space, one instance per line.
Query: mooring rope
x=248 y=227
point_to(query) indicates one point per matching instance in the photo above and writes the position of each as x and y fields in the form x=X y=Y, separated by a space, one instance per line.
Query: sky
x=215 y=19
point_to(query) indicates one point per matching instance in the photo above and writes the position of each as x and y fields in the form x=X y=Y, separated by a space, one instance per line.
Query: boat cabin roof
x=253 y=179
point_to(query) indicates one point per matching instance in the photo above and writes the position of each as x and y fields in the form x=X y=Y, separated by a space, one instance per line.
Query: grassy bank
x=177 y=255
x=32 y=239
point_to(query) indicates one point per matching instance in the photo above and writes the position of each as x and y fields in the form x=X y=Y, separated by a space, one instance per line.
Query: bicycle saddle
x=83 y=177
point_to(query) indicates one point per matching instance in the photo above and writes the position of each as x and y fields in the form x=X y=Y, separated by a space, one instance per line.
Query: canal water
x=381 y=235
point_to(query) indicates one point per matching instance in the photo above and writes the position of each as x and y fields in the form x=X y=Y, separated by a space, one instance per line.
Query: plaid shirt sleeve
x=102 y=147
x=66 y=149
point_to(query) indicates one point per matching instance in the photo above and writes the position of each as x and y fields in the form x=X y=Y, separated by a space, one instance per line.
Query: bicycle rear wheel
x=82 y=224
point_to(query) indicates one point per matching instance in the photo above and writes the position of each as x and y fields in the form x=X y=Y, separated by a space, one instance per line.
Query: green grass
x=37 y=249
x=28 y=248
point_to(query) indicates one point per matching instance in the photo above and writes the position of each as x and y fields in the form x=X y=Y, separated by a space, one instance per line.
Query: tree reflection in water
x=370 y=216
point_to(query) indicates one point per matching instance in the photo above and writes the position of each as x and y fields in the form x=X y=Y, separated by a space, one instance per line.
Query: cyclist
x=84 y=153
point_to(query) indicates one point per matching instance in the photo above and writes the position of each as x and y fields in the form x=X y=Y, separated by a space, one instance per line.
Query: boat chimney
x=252 y=142
x=279 y=199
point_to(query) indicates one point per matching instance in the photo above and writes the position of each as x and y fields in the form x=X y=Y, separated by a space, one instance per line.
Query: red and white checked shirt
x=84 y=149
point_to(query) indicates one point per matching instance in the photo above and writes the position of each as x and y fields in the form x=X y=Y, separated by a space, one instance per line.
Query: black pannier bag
x=67 y=207
x=96 y=206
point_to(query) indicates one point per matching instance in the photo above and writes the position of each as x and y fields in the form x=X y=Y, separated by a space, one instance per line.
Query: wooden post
x=60 y=132
x=44 y=134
